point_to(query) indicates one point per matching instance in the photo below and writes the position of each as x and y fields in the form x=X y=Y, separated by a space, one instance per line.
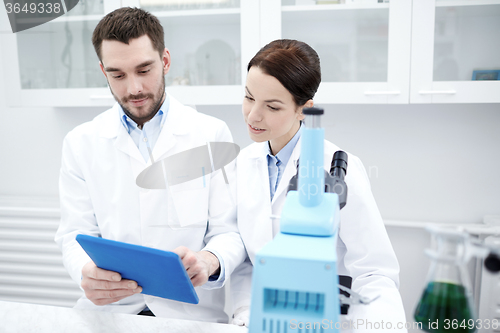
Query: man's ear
x=166 y=60
x=102 y=69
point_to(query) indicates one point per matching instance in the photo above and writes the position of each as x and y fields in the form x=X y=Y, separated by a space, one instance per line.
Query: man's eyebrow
x=144 y=64
x=111 y=69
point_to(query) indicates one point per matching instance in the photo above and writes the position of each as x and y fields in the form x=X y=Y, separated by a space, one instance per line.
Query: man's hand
x=199 y=265
x=105 y=287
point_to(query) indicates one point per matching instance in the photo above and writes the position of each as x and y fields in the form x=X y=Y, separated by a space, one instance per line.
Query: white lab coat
x=99 y=197
x=364 y=251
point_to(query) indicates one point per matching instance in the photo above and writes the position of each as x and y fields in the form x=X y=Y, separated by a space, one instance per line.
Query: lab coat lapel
x=166 y=141
x=263 y=230
x=290 y=171
x=176 y=124
x=112 y=128
x=255 y=209
x=125 y=143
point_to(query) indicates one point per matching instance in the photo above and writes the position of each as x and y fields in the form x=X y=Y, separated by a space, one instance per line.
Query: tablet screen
x=159 y=273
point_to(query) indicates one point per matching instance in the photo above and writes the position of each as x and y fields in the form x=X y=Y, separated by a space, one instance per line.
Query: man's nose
x=134 y=85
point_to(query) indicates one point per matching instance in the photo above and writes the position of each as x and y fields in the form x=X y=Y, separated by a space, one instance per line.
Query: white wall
x=436 y=163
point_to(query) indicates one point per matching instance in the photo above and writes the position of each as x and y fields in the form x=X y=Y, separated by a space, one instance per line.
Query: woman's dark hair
x=295 y=64
x=128 y=23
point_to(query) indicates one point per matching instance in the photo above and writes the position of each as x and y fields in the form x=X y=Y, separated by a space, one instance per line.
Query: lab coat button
x=145 y=139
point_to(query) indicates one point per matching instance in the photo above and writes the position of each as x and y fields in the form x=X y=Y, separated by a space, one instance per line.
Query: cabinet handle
x=101 y=96
x=388 y=92
x=437 y=92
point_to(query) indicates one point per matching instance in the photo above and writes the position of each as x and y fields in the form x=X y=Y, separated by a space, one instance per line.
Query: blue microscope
x=295 y=282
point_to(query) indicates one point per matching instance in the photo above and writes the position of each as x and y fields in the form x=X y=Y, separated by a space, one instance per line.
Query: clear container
x=446 y=303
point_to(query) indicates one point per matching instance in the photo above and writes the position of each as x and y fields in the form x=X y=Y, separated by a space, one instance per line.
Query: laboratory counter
x=30 y=318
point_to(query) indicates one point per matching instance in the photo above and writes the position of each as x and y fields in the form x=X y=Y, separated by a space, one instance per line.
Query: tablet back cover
x=159 y=273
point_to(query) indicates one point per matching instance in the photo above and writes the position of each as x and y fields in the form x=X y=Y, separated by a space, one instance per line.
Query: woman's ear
x=309 y=104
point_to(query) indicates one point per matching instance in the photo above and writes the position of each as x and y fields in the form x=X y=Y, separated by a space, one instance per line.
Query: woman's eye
x=249 y=98
x=274 y=109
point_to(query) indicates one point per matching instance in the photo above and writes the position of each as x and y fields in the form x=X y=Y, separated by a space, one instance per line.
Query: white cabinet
x=364 y=46
x=210 y=43
x=372 y=51
x=55 y=64
x=452 y=41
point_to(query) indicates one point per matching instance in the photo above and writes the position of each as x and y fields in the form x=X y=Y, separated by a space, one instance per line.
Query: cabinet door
x=455 y=48
x=364 y=45
x=205 y=40
x=54 y=64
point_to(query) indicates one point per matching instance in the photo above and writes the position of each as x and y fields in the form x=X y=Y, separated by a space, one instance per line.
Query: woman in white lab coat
x=282 y=80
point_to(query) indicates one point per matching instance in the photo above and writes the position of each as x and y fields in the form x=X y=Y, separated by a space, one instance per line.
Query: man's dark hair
x=128 y=23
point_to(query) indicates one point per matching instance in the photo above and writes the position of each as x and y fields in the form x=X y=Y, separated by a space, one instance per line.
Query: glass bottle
x=446 y=303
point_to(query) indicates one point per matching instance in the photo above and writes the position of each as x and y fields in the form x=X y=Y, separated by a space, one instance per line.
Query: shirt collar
x=131 y=125
x=284 y=154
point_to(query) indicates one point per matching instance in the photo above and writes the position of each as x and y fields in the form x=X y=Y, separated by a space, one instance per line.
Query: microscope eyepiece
x=339 y=161
x=313 y=111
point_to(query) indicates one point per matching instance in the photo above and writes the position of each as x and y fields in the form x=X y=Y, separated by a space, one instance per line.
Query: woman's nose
x=255 y=114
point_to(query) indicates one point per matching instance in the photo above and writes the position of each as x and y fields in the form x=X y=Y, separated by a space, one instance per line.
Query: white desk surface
x=28 y=318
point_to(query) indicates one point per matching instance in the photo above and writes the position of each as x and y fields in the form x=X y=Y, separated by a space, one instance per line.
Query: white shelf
x=334 y=7
x=60 y=19
x=473 y=228
x=159 y=14
x=193 y=19
x=466 y=3
x=77 y=18
x=349 y=13
x=198 y=12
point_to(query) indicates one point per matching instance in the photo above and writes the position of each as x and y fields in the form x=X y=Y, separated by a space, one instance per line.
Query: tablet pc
x=159 y=273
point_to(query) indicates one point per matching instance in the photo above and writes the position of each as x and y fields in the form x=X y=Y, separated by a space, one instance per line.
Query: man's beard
x=153 y=109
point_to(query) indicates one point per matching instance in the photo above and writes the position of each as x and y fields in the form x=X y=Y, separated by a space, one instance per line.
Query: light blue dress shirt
x=277 y=163
x=145 y=140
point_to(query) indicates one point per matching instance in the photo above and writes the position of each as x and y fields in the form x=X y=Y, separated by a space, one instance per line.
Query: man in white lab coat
x=102 y=158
